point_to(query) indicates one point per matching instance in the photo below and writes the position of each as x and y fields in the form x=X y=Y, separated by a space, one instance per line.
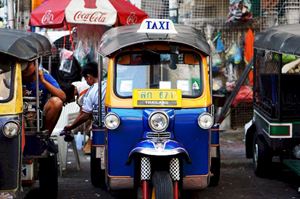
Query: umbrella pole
x=17 y=14
x=10 y=14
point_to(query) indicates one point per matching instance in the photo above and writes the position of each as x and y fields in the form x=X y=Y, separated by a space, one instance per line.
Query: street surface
x=237 y=178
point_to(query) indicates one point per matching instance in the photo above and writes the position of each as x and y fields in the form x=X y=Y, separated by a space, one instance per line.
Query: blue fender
x=164 y=147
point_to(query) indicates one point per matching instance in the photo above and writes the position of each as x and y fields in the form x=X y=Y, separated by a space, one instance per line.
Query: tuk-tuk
x=275 y=127
x=158 y=136
x=22 y=136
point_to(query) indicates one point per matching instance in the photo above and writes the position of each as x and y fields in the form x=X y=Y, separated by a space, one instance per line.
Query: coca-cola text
x=95 y=17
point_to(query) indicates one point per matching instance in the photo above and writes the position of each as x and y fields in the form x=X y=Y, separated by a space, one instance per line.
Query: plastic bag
x=220 y=46
x=234 y=54
x=81 y=52
x=66 y=60
x=245 y=94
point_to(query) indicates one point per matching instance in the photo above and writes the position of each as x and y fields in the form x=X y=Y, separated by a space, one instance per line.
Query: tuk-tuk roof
x=282 y=39
x=124 y=36
x=23 y=45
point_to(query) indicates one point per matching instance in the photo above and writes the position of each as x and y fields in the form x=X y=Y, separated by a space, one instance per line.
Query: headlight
x=11 y=129
x=205 y=120
x=112 y=121
x=158 y=121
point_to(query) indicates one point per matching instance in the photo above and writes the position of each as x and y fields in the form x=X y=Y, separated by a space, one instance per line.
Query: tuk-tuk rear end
x=274 y=129
x=159 y=110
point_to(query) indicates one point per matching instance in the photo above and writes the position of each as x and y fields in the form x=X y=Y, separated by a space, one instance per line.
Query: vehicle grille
x=158 y=135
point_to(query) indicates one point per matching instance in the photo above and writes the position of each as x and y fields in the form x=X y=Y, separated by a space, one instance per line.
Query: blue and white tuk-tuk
x=158 y=136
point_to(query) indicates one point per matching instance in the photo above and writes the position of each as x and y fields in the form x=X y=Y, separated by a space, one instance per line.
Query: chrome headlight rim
x=17 y=129
x=201 y=116
x=106 y=123
x=167 y=121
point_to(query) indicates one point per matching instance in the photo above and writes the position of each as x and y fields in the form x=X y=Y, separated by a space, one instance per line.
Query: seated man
x=51 y=96
x=90 y=100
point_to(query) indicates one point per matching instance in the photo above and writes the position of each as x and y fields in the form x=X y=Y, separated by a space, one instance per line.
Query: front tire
x=262 y=158
x=97 y=174
x=162 y=185
x=48 y=177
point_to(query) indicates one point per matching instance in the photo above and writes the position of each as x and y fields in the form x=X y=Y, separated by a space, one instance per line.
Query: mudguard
x=160 y=147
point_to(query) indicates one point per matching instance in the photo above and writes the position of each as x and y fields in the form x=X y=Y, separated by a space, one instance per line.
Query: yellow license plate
x=157 y=98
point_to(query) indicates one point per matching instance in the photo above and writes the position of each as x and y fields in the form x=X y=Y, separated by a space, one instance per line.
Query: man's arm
x=81 y=118
x=51 y=88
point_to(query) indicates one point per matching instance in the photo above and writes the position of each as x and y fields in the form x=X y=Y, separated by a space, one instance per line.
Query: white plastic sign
x=157 y=26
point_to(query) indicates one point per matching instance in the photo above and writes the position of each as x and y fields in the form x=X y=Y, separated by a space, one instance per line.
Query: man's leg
x=52 y=110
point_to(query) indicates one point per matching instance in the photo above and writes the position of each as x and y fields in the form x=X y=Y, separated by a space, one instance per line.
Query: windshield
x=5 y=81
x=159 y=70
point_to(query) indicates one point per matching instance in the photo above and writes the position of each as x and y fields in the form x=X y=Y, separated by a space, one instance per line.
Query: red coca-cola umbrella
x=54 y=14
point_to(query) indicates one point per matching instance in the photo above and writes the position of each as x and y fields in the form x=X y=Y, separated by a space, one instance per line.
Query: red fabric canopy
x=51 y=14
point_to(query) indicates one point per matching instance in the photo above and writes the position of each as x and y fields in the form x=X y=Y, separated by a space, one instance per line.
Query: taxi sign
x=157 y=26
x=157 y=98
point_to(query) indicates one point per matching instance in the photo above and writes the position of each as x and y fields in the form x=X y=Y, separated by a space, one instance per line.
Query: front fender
x=164 y=147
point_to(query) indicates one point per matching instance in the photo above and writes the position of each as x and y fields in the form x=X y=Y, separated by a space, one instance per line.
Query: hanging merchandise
x=248 y=47
x=82 y=51
x=248 y=52
x=234 y=54
x=216 y=59
x=66 y=59
x=239 y=11
x=220 y=46
x=231 y=73
x=87 y=43
x=245 y=94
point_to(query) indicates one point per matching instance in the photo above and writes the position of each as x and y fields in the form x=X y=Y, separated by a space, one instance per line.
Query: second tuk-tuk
x=274 y=129
x=24 y=154
x=158 y=136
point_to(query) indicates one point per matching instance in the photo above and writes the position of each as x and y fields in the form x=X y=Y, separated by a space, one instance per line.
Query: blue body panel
x=215 y=135
x=194 y=139
x=133 y=127
x=98 y=136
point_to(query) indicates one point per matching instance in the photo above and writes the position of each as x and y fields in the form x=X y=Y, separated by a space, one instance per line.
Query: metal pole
x=10 y=14
x=37 y=94
x=17 y=14
x=100 y=67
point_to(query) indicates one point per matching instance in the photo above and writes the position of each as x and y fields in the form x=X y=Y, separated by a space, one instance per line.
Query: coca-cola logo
x=131 y=19
x=94 y=17
x=48 y=17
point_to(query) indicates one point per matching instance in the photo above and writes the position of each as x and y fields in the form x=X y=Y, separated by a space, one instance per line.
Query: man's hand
x=68 y=128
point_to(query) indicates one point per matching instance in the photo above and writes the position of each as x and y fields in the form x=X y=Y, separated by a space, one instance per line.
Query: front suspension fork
x=174 y=170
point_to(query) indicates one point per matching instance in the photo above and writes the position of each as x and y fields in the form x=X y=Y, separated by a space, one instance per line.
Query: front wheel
x=162 y=186
x=262 y=158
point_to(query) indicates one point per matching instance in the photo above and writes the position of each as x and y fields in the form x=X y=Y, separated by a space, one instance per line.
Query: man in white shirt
x=90 y=100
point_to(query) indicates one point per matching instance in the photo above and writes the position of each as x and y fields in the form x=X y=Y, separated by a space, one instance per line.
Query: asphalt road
x=237 y=178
